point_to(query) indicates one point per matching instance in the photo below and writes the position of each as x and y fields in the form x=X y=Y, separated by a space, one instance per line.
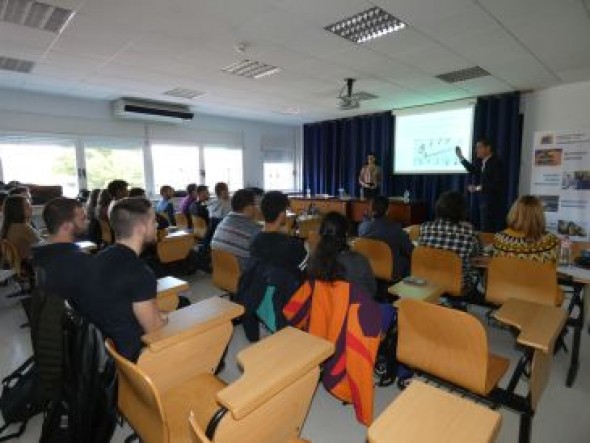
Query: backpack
x=20 y=400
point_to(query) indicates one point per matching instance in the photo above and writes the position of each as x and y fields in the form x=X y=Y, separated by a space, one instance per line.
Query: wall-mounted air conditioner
x=132 y=108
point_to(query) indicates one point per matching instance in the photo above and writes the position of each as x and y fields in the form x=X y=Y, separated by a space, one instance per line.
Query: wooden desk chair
x=379 y=255
x=181 y=220
x=522 y=279
x=11 y=258
x=176 y=248
x=269 y=402
x=159 y=416
x=486 y=238
x=226 y=270
x=199 y=227
x=439 y=266
x=313 y=238
x=308 y=224
x=423 y=413
x=106 y=233
x=448 y=344
x=413 y=232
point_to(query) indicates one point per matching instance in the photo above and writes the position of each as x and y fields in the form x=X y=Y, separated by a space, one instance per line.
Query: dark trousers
x=369 y=193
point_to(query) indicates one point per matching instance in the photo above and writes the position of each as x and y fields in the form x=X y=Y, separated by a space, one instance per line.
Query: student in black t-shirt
x=272 y=244
x=120 y=293
x=61 y=267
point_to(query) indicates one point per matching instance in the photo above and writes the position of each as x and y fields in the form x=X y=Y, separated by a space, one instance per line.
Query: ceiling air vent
x=184 y=93
x=35 y=14
x=251 y=69
x=16 y=65
x=463 y=75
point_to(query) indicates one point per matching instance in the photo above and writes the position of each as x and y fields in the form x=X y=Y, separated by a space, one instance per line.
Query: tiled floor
x=563 y=414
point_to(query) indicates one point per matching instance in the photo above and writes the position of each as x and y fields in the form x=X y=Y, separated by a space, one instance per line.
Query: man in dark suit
x=490 y=174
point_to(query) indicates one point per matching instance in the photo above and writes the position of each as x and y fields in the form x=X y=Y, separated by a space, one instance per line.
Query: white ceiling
x=142 y=48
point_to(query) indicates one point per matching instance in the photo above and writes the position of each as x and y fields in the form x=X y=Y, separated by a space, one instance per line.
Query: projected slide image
x=435 y=152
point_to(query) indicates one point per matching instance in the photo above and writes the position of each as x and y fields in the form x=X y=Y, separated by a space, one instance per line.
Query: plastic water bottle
x=308 y=192
x=407 y=196
x=341 y=192
x=565 y=252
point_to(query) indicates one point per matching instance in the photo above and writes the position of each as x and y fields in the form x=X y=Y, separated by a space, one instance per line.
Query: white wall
x=565 y=107
x=49 y=114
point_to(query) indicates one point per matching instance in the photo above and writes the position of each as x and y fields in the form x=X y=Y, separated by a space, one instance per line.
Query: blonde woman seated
x=526 y=236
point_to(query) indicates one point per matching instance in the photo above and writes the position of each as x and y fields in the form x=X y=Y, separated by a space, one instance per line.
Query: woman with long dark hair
x=333 y=260
x=92 y=203
x=16 y=226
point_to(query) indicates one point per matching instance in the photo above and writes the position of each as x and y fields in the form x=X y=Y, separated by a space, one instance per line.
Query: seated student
x=165 y=206
x=120 y=291
x=526 y=236
x=235 y=233
x=272 y=244
x=450 y=230
x=379 y=227
x=61 y=262
x=103 y=204
x=220 y=206
x=199 y=206
x=332 y=259
x=92 y=204
x=274 y=270
x=187 y=201
x=118 y=189
x=16 y=226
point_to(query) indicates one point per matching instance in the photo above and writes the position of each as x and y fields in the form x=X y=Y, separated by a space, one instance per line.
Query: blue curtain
x=496 y=118
x=335 y=151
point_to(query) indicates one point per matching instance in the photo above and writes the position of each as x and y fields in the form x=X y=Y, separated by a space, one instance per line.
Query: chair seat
x=197 y=394
x=559 y=298
x=497 y=367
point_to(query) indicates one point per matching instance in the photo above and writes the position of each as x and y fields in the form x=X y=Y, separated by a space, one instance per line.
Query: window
x=223 y=165
x=40 y=161
x=279 y=165
x=175 y=165
x=110 y=160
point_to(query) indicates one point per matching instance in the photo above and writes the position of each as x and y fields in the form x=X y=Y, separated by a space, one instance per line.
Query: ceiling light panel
x=463 y=75
x=251 y=69
x=16 y=65
x=184 y=93
x=366 y=25
x=35 y=14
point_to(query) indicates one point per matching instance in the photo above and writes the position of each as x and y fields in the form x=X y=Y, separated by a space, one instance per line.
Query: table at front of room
x=578 y=278
x=410 y=213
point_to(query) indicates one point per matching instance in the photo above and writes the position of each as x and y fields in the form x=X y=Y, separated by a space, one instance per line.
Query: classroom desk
x=577 y=278
x=429 y=292
x=192 y=342
x=168 y=290
x=322 y=204
x=178 y=233
x=422 y=413
x=87 y=246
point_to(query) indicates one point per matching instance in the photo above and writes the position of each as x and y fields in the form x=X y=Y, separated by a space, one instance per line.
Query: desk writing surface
x=422 y=413
x=171 y=284
x=579 y=275
x=176 y=234
x=428 y=292
x=539 y=325
x=192 y=320
x=279 y=360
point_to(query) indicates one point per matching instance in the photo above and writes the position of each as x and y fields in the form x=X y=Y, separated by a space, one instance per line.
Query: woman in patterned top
x=526 y=236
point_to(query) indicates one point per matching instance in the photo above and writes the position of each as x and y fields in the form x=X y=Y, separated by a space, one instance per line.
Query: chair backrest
x=226 y=270
x=413 y=232
x=443 y=342
x=522 y=279
x=486 y=238
x=308 y=224
x=105 y=232
x=11 y=257
x=439 y=266
x=196 y=432
x=379 y=255
x=171 y=249
x=138 y=401
x=269 y=402
x=313 y=238
x=199 y=226
x=181 y=220
x=164 y=215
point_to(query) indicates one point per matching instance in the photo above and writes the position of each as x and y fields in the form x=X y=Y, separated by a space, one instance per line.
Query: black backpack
x=20 y=400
